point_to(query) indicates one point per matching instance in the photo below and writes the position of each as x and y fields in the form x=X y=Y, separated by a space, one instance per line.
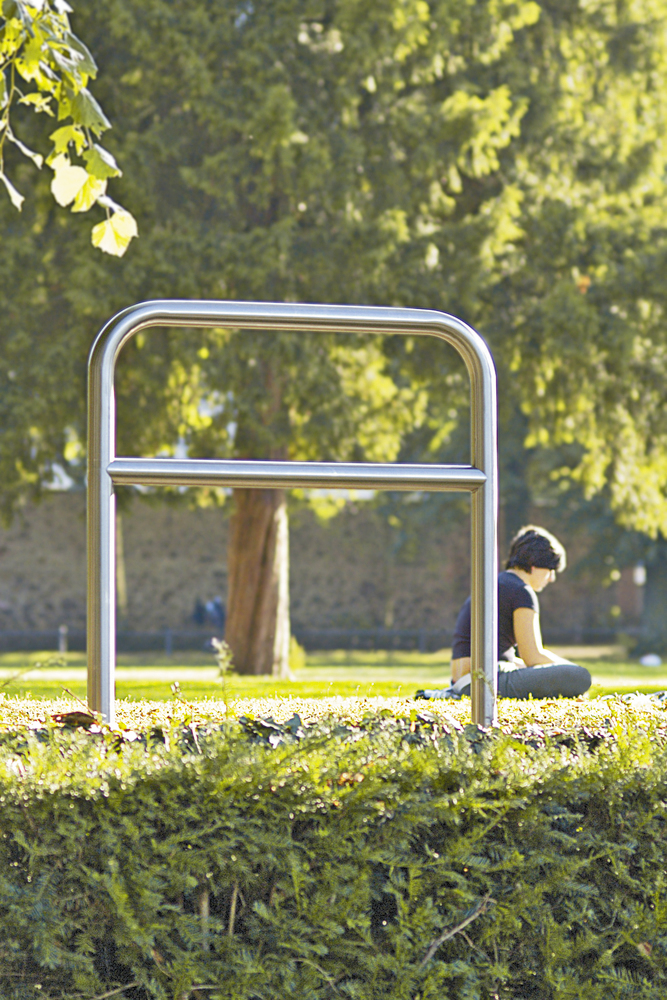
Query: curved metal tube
x=104 y=468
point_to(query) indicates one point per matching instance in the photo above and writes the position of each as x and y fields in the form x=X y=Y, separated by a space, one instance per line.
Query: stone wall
x=342 y=571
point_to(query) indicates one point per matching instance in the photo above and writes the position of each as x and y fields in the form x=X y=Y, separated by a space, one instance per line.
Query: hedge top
x=556 y=717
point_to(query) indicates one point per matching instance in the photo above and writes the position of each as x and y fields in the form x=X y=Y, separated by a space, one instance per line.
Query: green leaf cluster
x=395 y=858
x=38 y=47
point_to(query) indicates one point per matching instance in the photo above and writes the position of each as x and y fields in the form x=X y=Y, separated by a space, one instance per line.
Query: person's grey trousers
x=548 y=680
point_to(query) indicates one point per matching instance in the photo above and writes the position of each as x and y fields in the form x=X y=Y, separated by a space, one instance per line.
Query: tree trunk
x=653 y=636
x=258 y=625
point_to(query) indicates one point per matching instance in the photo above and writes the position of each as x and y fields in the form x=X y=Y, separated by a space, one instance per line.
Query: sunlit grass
x=151 y=676
x=340 y=673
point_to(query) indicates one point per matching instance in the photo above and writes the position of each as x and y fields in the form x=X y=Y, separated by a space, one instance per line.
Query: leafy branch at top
x=45 y=66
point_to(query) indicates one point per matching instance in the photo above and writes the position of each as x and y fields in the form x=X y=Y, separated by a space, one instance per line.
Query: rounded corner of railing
x=111 y=327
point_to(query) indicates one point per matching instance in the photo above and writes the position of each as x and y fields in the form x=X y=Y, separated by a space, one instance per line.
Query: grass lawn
x=345 y=673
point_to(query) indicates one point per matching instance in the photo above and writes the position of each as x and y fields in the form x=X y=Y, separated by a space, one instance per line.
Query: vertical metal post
x=101 y=634
x=484 y=565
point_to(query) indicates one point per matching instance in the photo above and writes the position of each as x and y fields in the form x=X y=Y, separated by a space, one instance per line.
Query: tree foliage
x=578 y=315
x=502 y=161
x=294 y=151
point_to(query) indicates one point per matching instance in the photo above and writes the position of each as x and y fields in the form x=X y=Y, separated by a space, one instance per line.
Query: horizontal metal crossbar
x=290 y=475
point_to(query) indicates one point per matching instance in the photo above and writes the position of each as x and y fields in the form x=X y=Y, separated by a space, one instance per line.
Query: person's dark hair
x=533 y=546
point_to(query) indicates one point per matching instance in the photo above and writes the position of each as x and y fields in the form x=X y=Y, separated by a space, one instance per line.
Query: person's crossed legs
x=547 y=680
x=564 y=680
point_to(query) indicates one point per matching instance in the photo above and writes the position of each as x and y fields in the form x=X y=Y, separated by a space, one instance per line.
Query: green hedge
x=391 y=859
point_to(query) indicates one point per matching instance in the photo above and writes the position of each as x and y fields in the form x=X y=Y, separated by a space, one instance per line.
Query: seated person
x=535 y=557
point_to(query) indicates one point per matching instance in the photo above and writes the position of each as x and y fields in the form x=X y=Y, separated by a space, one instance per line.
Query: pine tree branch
x=113 y=993
x=481 y=908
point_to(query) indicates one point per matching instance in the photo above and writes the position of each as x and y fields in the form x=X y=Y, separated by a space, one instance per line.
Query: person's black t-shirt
x=512 y=593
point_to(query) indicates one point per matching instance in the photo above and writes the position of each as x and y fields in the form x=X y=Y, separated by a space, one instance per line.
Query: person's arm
x=529 y=639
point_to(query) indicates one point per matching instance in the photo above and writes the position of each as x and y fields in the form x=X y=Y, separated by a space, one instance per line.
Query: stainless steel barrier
x=105 y=470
